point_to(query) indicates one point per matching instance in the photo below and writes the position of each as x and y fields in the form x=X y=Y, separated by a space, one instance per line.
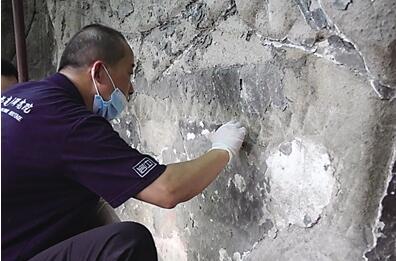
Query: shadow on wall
x=36 y=16
x=386 y=245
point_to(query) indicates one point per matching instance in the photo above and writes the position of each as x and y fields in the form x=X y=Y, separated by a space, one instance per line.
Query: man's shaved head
x=91 y=43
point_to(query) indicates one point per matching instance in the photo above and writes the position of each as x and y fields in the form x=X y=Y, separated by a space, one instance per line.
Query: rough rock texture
x=314 y=83
x=386 y=248
x=39 y=34
x=373 y=34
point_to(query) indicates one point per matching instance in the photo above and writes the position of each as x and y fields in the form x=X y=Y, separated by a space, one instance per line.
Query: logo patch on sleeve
x=144 y=166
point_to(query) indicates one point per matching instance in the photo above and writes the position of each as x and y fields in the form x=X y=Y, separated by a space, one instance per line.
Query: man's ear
x=97 y=72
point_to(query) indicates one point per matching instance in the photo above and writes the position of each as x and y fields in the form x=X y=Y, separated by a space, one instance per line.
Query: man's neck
x=80 y=79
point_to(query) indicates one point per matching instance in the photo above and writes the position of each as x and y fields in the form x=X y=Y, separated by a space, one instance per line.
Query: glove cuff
x=222 y=147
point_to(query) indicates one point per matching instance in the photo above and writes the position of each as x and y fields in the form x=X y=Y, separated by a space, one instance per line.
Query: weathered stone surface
x=39 y=37
x=301 y=182
x=7 y=32
x=313 y=82
x=386 y=225
x=40 y=50
x=371 y=27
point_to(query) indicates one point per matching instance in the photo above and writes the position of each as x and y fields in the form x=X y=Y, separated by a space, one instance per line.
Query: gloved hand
x=228 y=137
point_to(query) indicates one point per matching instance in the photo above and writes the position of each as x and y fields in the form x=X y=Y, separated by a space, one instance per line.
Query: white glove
x=228 y=137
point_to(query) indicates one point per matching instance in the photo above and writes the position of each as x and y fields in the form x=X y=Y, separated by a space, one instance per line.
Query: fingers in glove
x=238 y=124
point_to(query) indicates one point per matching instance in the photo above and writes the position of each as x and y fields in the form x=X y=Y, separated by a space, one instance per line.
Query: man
x=62 y=155
x=9 y=75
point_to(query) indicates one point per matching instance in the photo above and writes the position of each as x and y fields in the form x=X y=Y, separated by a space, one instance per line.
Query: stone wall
x=39 y=36
x=314 y=82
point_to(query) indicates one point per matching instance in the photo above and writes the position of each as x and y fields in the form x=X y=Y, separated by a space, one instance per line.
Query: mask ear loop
x=104 y=67
x=94 y=82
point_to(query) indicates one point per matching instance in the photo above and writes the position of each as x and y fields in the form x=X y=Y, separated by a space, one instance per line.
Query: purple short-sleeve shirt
x=57 y=159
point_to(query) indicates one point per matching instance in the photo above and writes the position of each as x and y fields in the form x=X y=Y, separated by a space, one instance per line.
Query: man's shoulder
x=90 y=122
x=44 y=103
x=33 y=90
x=55 y=87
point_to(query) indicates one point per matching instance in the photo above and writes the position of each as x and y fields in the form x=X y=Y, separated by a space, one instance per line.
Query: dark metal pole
x=20 y=44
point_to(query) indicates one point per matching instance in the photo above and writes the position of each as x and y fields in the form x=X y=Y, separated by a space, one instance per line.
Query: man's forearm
x=182 y=181
x=188 y=179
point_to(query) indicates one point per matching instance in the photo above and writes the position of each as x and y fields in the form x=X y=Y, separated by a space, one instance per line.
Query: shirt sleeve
x=99 y=159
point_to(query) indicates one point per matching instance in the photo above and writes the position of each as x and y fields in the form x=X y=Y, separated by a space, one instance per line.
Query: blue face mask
x=111 y=108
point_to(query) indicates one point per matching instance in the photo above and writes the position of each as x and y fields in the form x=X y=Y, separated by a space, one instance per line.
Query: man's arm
x=182 y=181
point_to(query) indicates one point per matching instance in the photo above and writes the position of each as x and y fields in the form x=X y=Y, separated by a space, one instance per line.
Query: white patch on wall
x=190 y=136
x=239 y=183
x=236 y=256
x=223 y=256
x=156 y=135
x=273 y=233
x=205 y=132
x=301 y=182
x=171 y=248
x=160 y=157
